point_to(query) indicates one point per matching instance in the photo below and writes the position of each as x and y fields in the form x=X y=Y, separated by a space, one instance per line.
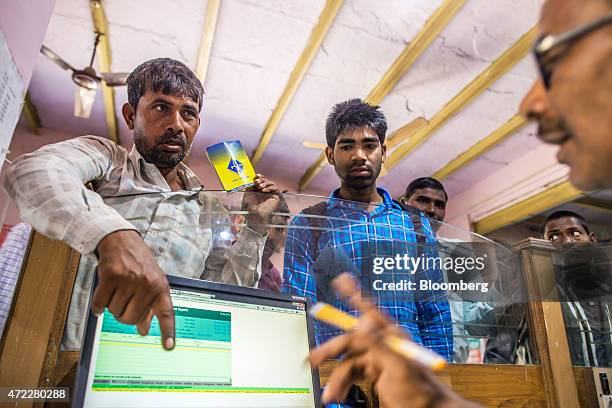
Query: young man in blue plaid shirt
x=337 y=236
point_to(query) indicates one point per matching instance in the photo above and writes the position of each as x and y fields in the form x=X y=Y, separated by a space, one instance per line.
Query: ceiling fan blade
x=114 y=78
x=55 y=58
x=83 y=101
x=405 y=132
x=314 y=145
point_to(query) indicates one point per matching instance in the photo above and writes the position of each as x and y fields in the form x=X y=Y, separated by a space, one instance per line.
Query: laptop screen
x=232 y=350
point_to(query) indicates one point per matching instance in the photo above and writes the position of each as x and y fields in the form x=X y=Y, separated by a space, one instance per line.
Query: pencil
x=329 y=314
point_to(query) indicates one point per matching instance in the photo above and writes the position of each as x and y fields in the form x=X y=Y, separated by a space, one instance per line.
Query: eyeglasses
x=544 y=45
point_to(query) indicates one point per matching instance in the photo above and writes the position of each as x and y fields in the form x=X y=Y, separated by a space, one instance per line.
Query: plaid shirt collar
x=387 y=204
x=189 y=178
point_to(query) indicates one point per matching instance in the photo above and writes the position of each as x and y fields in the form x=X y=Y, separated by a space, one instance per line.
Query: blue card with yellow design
x=231 y=164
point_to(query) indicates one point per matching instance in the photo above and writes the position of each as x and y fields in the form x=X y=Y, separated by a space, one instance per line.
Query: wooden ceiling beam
x=478 y=85
x=507 y=129
x=30 y=114
x=104 y=63
x=314 y=145
x=205 y=49
x=403 y=133
x=208 y=36
x=540 y=202
x=432 y=27
x=399 y=136
x=326 y=18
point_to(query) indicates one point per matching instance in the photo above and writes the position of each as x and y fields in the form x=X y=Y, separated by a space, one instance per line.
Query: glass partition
x=453 y=291
x=583 y=286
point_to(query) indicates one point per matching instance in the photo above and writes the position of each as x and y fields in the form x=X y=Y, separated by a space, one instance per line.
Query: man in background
x=428 y=195
x=582 y=270
x=567 y=227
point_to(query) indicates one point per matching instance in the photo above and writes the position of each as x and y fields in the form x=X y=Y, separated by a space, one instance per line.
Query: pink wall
x=25 y=142
x=524 y=177
x=24 y=24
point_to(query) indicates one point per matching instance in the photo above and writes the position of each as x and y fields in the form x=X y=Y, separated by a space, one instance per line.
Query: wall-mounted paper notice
x=12 y=93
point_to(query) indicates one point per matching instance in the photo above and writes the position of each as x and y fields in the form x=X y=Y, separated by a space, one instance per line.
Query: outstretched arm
x=48 y=187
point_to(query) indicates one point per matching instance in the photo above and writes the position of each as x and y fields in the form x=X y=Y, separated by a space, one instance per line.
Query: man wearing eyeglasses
x=572 y=103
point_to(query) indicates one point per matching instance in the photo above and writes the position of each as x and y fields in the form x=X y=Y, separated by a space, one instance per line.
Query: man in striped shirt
x=146 y=214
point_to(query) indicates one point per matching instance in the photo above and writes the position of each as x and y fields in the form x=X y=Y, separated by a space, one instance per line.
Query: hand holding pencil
x=371 y=349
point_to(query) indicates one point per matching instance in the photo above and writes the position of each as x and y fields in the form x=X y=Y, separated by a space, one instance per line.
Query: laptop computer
x=235 y=347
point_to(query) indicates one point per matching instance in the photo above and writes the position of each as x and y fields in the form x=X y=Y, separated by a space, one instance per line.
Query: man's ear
x=384 y=153
x=329 y=152
x=593 y=237
x=128 y=115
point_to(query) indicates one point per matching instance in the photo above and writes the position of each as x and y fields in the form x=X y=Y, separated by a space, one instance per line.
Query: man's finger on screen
x=118 y=304
x=140 y=307
x=101 y=297
x=145 y=323
x=162 y=307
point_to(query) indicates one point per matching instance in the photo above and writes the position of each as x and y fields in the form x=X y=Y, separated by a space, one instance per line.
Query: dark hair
x=424 y=182
x=353 y=114
x=555 y=215
x=166 y=75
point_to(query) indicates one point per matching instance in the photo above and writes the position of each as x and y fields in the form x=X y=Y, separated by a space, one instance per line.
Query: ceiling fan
x=86 y=79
